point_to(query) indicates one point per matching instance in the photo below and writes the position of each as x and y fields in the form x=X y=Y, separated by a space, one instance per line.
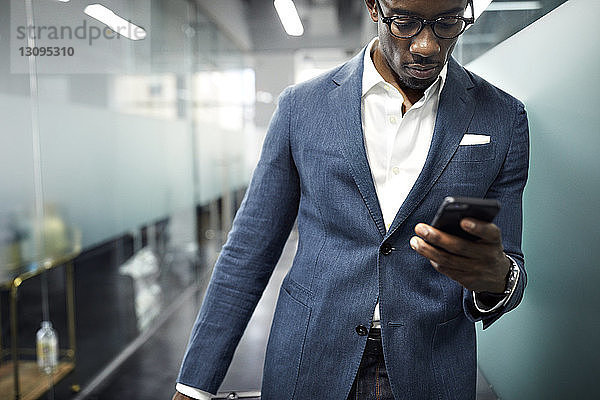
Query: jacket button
x=362 y=330
x=386 y=249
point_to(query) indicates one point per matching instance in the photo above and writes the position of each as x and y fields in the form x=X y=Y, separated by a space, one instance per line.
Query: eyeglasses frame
x=424 y=22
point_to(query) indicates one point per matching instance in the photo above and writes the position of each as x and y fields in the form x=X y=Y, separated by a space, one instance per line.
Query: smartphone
x=454 y=209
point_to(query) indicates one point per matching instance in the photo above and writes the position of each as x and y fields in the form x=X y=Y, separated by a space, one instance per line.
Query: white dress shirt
x=397 y=146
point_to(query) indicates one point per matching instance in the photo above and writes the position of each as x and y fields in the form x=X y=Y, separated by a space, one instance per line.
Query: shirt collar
x=372 y=78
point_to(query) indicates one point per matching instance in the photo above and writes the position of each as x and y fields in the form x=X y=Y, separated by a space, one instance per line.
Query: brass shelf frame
x=12 y=285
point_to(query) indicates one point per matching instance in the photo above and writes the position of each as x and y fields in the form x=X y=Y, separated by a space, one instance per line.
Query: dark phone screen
x=454 y=209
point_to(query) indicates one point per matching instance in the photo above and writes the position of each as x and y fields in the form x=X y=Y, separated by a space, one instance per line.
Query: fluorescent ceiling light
x=514 y=6
x=286 y=9
x=114 y=22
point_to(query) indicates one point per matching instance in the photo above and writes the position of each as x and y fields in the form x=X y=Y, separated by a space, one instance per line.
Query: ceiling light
x=286 y=9
x=114 y=22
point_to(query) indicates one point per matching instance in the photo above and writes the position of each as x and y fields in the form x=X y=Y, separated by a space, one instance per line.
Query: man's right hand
x=179 y=396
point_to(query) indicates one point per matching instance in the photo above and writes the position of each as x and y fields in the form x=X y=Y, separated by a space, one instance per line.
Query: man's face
x=417 y=61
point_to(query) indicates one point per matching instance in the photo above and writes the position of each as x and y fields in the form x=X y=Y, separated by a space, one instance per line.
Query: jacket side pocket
x=285 y=346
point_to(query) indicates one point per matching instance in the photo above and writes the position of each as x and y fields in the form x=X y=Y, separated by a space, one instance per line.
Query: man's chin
x=417 y=84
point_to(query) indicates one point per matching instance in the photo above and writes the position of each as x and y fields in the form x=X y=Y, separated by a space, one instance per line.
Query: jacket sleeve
x=508 y=189
x=246 y=262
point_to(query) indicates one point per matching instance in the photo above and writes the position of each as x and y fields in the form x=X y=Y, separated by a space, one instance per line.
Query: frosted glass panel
x=113 y=172
x=15 y=152
x=138 y=141
x=135 y=131
x=549 y=348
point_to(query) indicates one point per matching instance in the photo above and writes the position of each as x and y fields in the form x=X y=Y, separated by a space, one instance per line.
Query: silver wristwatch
x=512 y=277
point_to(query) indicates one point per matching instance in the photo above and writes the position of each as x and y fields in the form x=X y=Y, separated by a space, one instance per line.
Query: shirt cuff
x=193 y=392
x=486 y=309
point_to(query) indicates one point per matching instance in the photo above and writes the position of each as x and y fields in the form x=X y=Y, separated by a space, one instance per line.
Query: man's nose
x=425 y=44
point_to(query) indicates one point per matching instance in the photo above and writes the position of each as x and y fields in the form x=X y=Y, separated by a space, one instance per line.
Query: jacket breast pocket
x=474 y=153
x=470 y=170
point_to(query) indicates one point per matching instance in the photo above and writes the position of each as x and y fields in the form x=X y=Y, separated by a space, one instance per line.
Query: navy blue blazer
x=314 y=168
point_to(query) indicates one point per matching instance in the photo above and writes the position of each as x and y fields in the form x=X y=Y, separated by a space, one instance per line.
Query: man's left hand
x=480 y=266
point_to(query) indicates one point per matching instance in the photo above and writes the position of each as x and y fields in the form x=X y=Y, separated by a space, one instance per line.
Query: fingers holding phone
x=463 y=243
x=483 y=231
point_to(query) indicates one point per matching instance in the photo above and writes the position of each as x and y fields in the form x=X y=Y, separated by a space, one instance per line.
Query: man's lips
x=422 y=71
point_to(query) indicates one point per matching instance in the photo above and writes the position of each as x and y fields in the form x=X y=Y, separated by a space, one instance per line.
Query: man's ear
x=373 y=12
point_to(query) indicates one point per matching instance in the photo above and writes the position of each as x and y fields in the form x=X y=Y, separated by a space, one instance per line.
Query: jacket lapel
x=346 y=98
x=455 y=111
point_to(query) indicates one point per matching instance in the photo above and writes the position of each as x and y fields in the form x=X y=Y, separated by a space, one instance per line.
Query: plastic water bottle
x=47 y=348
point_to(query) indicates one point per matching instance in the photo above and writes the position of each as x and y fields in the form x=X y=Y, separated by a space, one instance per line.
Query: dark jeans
x=371 y=382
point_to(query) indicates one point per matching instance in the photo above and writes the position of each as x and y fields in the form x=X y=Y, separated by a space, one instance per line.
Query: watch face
x=513 y=275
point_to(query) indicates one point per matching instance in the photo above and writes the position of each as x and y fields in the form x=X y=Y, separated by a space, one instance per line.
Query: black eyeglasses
x=408 y=26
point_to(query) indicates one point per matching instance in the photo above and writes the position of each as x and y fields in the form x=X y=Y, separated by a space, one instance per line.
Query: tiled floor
x=150 y=373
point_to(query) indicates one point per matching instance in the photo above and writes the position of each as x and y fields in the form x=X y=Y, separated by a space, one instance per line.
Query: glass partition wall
x=121 y=152
x=499 y=20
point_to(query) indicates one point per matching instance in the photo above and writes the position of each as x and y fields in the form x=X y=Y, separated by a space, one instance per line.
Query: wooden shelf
x=33 y=383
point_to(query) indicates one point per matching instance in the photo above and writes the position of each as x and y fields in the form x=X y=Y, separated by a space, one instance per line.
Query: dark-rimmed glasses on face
x=408 y=26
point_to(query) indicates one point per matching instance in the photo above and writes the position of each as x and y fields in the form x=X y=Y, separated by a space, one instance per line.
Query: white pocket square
x=470 y=139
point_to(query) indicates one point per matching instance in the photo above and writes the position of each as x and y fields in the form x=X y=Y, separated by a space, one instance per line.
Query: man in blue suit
x=377 y=304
